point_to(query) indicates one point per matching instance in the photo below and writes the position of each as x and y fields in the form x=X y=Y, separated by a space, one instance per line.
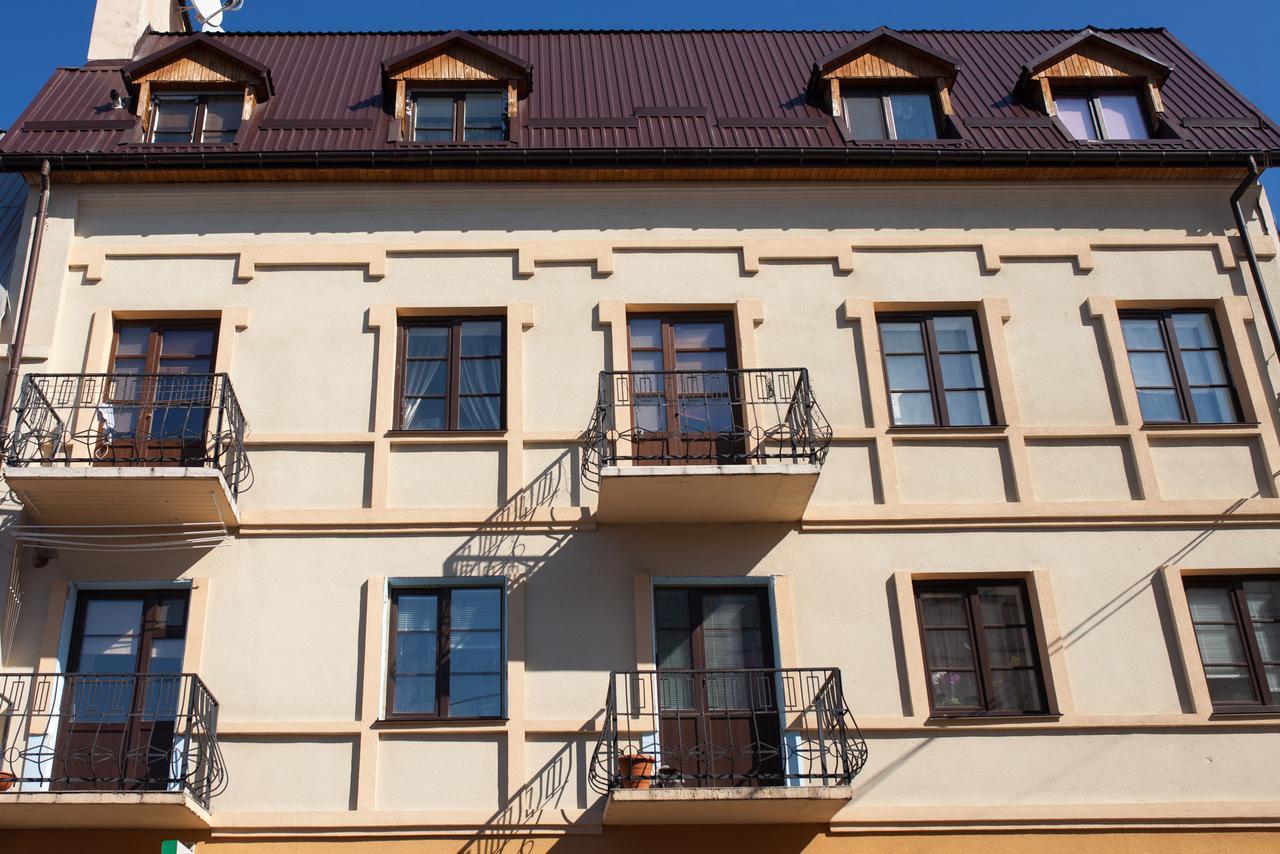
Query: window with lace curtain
x=452 y=372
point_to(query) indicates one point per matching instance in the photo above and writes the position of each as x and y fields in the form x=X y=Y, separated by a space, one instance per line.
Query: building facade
x=577 y=441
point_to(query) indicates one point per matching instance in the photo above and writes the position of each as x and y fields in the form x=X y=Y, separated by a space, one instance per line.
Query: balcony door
x=684 y=410
x=718 y=717
x=122 y=692
x=155 y=405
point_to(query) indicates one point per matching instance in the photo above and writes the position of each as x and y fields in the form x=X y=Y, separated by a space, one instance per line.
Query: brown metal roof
x=629 y=97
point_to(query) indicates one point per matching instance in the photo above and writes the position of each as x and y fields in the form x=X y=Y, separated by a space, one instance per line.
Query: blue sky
x=1241 y=41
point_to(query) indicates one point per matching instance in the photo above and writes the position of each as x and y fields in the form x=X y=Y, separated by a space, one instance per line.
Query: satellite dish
x=209 y=13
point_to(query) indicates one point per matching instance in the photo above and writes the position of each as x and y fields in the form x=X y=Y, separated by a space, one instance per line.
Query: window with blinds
x=1237 y=625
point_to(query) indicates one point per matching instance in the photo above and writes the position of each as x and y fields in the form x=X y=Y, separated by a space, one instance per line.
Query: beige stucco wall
x=290 y=644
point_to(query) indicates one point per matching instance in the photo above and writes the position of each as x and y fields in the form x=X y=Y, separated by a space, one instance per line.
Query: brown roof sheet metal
x=631 y=97
x=13 y=201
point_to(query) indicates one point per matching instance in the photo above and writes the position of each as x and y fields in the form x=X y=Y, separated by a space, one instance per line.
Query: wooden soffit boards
x=200 y=61
x=1092 y=57
x=459 y=56
x=885 y=55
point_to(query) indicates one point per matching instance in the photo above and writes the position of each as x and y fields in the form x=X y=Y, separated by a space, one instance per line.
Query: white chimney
x=119 y=24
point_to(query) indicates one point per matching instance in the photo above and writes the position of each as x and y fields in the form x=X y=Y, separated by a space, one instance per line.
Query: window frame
x=1172 y=352
x=933 y=360
x=200 y=96
x=968 y=587
x=885 y=93
x=459 y=96
x=444 y=593
x=1092 y=96
x=454 y=362
x=1249 y=641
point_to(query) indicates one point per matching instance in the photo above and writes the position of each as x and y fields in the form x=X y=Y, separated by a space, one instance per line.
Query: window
x=446 y=657
x=1178 y=368
x=459 y=116
x=208 y=118
x=980 y=648
x=1114 y=114
x=452 y=374
x=1237 y=623
x=934 y=370
x=890 y=114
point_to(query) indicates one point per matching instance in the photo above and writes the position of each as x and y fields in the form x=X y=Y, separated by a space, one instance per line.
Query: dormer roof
x=1089 y=37
x=947 y=66
x=495 y=62
x=217 y=60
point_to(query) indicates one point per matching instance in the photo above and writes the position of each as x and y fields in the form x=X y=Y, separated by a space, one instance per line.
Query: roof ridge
x=662 y=30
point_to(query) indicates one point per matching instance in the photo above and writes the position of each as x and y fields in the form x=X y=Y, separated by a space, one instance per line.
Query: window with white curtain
x=452 y=373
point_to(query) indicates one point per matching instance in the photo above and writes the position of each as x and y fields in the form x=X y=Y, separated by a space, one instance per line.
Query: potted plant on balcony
x=636 y=770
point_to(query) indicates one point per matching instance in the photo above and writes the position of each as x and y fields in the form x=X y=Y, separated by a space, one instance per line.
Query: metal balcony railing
x=118 y=732
x=706 y=417
x=726 y=728
x=131 y=420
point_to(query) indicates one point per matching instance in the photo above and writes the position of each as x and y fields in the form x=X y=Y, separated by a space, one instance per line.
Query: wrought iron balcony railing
x=131 y=420
x=706 y=417
x=726 y=728
x=121 y=732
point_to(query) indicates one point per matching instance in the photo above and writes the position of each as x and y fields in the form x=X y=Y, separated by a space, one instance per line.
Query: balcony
x=726 y=746
x=705 y=446
x=107 y=750
x=128 y=449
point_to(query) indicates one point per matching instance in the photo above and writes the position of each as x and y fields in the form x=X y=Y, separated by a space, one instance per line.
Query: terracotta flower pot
x=635 y=770
x=6 y=781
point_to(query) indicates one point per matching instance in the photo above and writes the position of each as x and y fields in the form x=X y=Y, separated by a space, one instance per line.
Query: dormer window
x=468 y=116
x=1103 y=114
x=196 y=117
x=906 y=113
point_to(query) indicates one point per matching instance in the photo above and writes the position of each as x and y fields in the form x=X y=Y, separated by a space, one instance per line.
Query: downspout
x=1252 y=257
x=24 y=315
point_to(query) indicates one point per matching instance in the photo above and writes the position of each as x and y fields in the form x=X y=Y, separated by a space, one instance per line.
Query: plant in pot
x=636 y=770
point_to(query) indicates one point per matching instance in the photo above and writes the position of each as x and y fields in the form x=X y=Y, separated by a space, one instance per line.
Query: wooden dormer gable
x=457 y=57
x=884 y=55
x=1092 y=58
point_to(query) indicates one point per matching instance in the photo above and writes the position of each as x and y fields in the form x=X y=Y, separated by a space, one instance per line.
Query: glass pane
x=187 y=343
x=1211 y=604
x=485 y=109
x=1220 y=645
x=475 y=652
x=912 y=408
x=1230 y=684
x=107 y=654
x=1016 y=691
x=1002 y=605
x=166 y=655
x=1213 y=405
x=1142 y=333
x=171 y=613
x=415 y=695
x=424 y=414
x=901 y=338
x=433 y=117
x=733 y=650
x=731 y=611
x=698 y=336
x=734 y=691
x=651 y=415
x=913 y=115
x=646 y=360
x=967 y=408
x=674 y=692
x=943 y=609
x=954 y=689
x=475 y=696
x=1158 y=406
x=481 y=376
x=102 y=699
x=132 y=340
x=1263 y=599
x=907 y=373
x=175 y=117
x=645 y=332
x=222 y=118
x=1075 y=114
x=480 y=413
x=703 y=415
x=675 y=650
x=1010 y=648
x=1194 y=329
x=671 y=609
x=711 y=361
x=416 y=613
x=427 y=341
x=116 y=617
x=475 y=609
x=1151 y=369
x=955 y=334
x=962 y=371
x=416 y=652
x=1273 y=682
x=947 y=648
x=1204 y=367
x=866 y=116
x=425 y=377
x=1268 y=637
x=482 y=338
x=1122 y=115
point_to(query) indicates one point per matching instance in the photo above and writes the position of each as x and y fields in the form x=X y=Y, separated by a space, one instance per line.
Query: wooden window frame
x=453 y=381
x=158 y=327
x=151 y=598
x=697 y=635
x=667 y=318
x=459 y=95
x=1182 y=386
x=443 y=592
x=198 y=122
x=1253 y=655
x=933 y=359
x=1092 y=94
x=885 y=92
x=968 y=587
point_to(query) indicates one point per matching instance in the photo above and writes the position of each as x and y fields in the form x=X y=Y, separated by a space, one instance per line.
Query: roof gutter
x=1250 y=255
x=24 y=315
